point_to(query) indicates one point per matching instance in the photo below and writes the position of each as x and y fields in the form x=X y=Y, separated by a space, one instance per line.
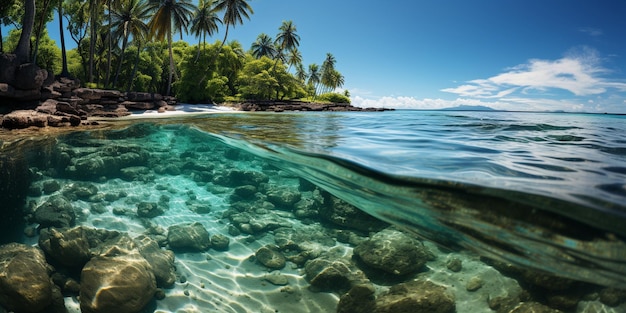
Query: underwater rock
x=454 y=264
x=416 y=297
x=245 y=192
x=68 y=247
x=80 y=190
x=545 y=280
x=57 y=211
x=188 y=237
x=270 y=257
x=24 y=282
x=612 y=296
x=134 y=173
x=117 y=281
x=474 y=283
x=277 y=279
x=235 y=177
x=533 y=307
x=50 y=186
x=343 y=214
x=359 y=299
x=149 y=209
x=161 y=261
x=330 y=274
x=220 y=242
x=393 y=252
x=284 y=198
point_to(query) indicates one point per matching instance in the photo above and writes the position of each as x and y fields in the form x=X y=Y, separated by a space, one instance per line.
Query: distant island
x=469 y=108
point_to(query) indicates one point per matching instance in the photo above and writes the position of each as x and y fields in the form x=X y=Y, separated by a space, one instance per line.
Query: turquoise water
x=543 y=191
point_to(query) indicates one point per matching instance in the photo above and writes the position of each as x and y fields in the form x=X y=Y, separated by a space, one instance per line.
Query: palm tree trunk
x=132 y=76
x=169 y=79
x=64 y=71
x=92 y=37
x=39 y=30
x=119 y=65
x=22 y=51
x=110 y=41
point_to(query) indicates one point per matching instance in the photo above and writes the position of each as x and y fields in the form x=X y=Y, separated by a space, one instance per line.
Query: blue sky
x=515 y=55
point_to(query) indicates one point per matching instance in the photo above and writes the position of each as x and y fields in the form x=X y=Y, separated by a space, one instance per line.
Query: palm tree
x=301 y=74
x=314 y=77
x=128 y=20
x=328 y=67
x=166 y=13
x=287 y=39
x=204 y=22
x=64 y=71
x=234 y=12
x=263 y=46
x=294 y=58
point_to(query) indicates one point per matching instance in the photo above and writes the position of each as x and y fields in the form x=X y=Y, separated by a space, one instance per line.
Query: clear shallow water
x=545 y=191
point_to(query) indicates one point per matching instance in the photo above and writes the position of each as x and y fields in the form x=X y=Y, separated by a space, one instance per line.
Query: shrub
x=334 y=98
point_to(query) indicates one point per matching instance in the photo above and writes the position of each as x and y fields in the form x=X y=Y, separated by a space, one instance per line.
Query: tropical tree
x=5 y=8
x=128 y=20
x=234 y=12
x=22 y=51
x=294 y=58
x=314 y=77
x=301 y=73
x=64 y=70
x=287 y=39
x=77 y=16
x=328 y=67
x=204 y=22
x=169 y=16
x=263 y=46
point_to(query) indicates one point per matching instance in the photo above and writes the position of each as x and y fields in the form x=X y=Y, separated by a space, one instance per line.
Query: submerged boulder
x=393 y=252
x=118 y=281
x=57 y=211
x=416 y=297
x=24 y=282
x=270 y=257
x=189 y=237
x=69 y=247
x=161 y=261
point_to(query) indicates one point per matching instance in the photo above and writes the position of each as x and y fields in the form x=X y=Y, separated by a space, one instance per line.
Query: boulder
x=95 y=94
x=328 y=274
x=161 y=261
x=57 y=211
x=270 y=257
x=149 y=209
x=359 y=299
x=192 y=237
x=8 y=67
x=416 y=297
x=220 y=242
x=118 y=281
x=69 y=247
x=143 y=96
x=134 y=105
x=343 y=214
x=29 y=76
x=24 y=119
x=24 y=282
x=393 y=252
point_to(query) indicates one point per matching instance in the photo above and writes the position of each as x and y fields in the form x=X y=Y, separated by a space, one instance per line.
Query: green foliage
x=49 y=55
x=334 y=98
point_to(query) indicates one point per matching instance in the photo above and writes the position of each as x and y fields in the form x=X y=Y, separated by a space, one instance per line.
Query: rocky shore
x=282 y=106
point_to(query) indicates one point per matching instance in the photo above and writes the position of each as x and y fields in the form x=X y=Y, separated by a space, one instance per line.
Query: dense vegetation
x=128 y=45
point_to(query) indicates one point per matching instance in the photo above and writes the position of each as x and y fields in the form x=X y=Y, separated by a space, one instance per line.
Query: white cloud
x=594 y=32
x=579 y=73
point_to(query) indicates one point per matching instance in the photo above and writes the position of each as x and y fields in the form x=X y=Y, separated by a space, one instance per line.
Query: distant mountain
x=469 y=108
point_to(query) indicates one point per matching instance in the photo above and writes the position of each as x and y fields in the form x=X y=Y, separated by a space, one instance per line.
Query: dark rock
x=547 y=281
x=393 y=252
x=359 y=299
x=50 y=186
x=24 y=282
x=94 y=94
x=189 y=237
x=612 y=296
x=161 y=261
x=143 y=96
x=341 y=213
x=118 y=281
x=328 y=274
x=29 y=76
x=8 y=67
x=132 y=105
x=416 y=297
x=220 y=242
x=245 y=192
x=69 y=247
x=234 y=178
x=80 y=191
x=270 y=257
x=57 y=211
x=149 y=209
x=284 y=198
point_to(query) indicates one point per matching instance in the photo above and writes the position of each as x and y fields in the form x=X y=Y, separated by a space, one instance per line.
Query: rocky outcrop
x=281 y=106
x=193 y=237
x=416 y=297
x=33 y=97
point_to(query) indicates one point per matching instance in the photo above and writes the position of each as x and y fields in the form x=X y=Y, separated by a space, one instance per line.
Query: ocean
x=508 y=193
